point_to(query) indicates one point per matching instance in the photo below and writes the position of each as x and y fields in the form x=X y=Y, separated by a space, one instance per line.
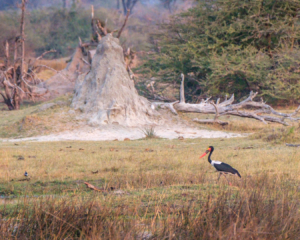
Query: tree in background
x=14 y=77
x=169 y=4
x=128 y=5
x=233 y=46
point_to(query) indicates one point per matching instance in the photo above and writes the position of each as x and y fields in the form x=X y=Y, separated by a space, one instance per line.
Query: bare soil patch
x=103 y=133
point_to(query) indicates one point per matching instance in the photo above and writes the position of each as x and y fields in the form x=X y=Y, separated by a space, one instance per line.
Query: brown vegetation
x=161 y=188
x=260 y=208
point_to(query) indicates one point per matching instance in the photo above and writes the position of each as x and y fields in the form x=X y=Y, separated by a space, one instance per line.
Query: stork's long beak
x=206 y=152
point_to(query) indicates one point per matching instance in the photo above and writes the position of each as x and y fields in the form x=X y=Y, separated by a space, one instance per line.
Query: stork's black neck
x=209 y=159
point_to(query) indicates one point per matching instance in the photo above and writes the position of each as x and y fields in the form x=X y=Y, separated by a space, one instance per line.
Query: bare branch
x=41 y=56
x=50 y=51
x=242 y=103
x=124 y=24
x=245 y=114
x=227 y=102
x=90 y=44
x=22 y=26
x=45 y=66
x=207 y=99
x=92 y=14
x=101 y=28
x=6 y=61
x=105 y=27
x=85 y=61
x=275 y=119
x=170 y=106
x=217 y=111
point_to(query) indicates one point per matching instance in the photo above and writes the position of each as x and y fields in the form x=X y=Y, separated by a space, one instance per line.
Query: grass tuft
x=279 y=135
x=150 y=133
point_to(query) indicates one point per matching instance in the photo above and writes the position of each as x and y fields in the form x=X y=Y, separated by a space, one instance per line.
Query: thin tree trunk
x=16 y=98
x=93 y=26
x=124 y=7
x=6 y=61
x=15 y=61
x=22 y=84
x=124 y=24
x=132 y=4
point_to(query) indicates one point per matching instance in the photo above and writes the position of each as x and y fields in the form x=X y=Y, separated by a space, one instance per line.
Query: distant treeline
x=46 y=29
x=59 y=29
x=12 y=4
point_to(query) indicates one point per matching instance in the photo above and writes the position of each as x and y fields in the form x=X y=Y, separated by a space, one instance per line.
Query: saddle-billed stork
x=222 y=168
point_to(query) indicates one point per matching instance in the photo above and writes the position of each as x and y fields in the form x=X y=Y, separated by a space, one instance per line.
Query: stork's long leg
x=219 y=176
x=227 y=180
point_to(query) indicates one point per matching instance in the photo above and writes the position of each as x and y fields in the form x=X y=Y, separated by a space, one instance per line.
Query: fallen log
x=227 y=107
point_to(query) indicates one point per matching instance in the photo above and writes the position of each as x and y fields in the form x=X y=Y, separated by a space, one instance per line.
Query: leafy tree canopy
x=232 y=46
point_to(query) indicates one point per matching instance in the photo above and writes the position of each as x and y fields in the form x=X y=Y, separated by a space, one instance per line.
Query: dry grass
x=166 y=193
x=31 y=121
x=279 y=135
x=128 y=165
x=45 y=74
x=56 y=64
x=262 y=210
x=156 y=187
x=150 y=132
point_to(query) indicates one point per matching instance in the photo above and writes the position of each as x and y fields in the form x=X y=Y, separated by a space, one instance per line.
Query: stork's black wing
x=224 y=167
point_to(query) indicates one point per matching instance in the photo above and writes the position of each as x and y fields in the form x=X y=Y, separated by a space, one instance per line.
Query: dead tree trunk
x=7 y=96
x=17 y=81
x=227 y=107
x=22 y=35
x=96 y=37
x=16 y=92
x=6 y=61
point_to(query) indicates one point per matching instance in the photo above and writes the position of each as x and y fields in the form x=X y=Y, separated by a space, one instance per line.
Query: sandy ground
x=119 y=132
